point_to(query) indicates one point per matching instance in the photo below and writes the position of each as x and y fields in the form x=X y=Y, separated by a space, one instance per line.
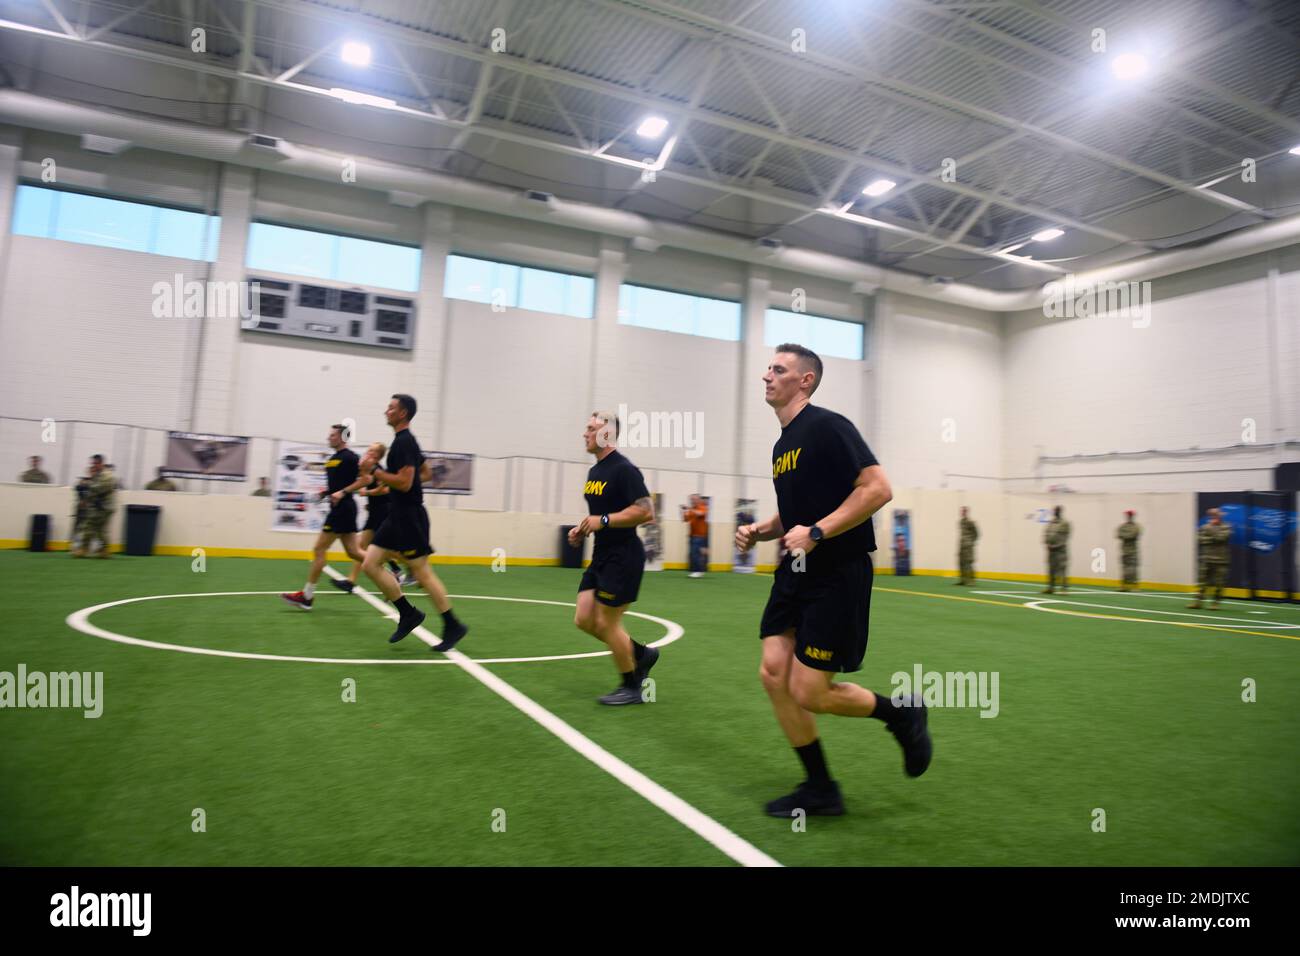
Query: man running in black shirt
x=617 y=501
x=341 y=522
x=376 y=496
x=828 y=485
x=405 y=532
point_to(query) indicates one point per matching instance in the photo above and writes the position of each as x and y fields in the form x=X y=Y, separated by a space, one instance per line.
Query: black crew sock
x=449 y=618
x=814 y=763
x=638 y=650
x=403 y=606
x=887 y=709
x=629 y=679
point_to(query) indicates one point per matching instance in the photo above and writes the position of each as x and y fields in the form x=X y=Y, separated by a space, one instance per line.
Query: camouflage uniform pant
x=1129 y=563
x=966 y=561
x=95 y=528
x=1214 y=574
x=1056 y=567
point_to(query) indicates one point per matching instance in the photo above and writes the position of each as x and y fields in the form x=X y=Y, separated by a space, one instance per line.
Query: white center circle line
x=80 y=621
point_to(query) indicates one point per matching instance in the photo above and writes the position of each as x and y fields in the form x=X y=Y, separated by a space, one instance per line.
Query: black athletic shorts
x=615 y=574
x=376 y=513
x=342 y=518
x=406 y=531
x=829 y=609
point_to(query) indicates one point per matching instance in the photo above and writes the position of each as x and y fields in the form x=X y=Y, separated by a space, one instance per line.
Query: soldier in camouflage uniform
x=1057 y=539
x=99 y=508
x=34 y=475
x=969 y=534
x=1212 y=540
x=1128 y=534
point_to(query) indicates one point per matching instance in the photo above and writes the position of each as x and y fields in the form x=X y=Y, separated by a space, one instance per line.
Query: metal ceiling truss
x=735 y=43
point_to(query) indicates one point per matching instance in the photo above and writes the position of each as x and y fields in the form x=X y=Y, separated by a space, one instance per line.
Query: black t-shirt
x=814 y=465
x=341 y=470
x=404 y=451
x=613 y=483
x=377 y=505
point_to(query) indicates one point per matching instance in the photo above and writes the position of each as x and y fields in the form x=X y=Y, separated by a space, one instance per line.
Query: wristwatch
x=604 y=521
x=816 y=533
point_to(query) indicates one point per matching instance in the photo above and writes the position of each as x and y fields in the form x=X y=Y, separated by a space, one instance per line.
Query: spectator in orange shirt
x=698 y=517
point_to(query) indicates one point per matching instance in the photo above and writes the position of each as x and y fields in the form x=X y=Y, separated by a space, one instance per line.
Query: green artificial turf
x=1142 y=720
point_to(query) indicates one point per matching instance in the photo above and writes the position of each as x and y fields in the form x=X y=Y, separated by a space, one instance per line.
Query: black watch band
x=816 y=533
x=604 y=521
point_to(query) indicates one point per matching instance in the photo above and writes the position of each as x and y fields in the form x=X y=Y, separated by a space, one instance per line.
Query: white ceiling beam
x=127 y=14
x=301 y=65
x=416 y=80
x=474 y=111
x=60 y=19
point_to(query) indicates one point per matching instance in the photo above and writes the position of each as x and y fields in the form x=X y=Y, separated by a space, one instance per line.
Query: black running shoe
x=647 y=661
x=909 y=728
x=451 y=637
x=406 y=624
x=815 y=800
x=343 y=584
x=622 y=695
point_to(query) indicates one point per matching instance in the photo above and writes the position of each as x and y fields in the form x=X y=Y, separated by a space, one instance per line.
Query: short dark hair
x=98 y=459
x=809 y=357
x=339 y=427
x=407 y=403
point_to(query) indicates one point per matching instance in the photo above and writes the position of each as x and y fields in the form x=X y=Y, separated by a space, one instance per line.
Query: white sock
x=308 y=590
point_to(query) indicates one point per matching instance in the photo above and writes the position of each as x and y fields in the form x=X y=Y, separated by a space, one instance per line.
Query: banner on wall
x=453 y=473
x=207 y=457
x=742 y=562
x=296 y=503
x=652 y=536
x=902 y=541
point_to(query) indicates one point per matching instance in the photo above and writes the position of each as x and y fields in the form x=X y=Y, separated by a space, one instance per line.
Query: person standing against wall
x=1213 y=541
x=969 y=534
x=697 y=516
x=1057 y=539
x=1128 y=534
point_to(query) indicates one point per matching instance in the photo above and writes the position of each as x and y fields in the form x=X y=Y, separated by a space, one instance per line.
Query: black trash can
x=570 y=556
x=141 y=529
x=40 y=533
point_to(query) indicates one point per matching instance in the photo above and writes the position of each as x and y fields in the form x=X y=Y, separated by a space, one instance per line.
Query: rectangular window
x=522 y=287
x=115 y=223
x=826 y=337
x=680 y=312
x=324 y=255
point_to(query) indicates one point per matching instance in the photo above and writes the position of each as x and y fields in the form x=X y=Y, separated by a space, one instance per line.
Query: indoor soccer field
x=215 y=699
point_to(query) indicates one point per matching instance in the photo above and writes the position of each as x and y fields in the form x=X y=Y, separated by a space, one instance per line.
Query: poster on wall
x=207 y=457
x=652 y=537
x=453 y=473
x=296 y=503
x=902 y=541
x=746 y=513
